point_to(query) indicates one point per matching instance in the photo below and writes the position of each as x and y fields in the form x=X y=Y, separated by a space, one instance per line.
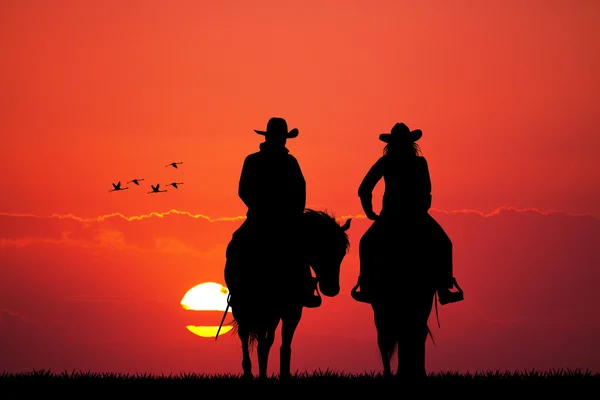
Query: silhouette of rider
x=405 y=205
x=392 y=250
x=273 y=188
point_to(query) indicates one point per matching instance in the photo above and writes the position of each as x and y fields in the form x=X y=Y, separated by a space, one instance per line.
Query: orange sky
x=506 y=94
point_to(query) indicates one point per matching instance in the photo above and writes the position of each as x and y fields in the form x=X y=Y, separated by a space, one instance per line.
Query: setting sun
x=208 y=331
x=207 y=296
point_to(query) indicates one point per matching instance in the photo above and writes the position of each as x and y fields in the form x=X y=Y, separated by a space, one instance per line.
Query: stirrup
x=445 y=296
x=359 y=295
x=313 y=302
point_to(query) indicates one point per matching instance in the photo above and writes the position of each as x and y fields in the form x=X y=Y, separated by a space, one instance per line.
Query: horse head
x=326 y=246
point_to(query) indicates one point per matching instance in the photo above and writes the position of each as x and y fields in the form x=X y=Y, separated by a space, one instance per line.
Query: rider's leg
x=314 y=299
x=444 y=259
x=232 y=277
x=367 y=253
x=308 y=287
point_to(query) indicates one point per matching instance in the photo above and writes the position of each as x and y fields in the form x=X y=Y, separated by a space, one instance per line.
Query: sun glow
x=207 y=296
x=208 y=331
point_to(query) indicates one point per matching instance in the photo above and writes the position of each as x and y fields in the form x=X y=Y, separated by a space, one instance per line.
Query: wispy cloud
x=101 y=218
x=99 y=298
x=9 y=317
x=173 y=231
x=508 y=209
x=157 y=214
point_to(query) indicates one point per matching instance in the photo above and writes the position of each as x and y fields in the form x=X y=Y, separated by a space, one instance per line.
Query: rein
x=436 y=309
x=224 y=315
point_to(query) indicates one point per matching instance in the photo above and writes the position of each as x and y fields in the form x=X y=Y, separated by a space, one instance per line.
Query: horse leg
x=386 y=340
x=413 y=342
x=411 y=353
x=246 y=361
x=290 y=322
x=265 y=342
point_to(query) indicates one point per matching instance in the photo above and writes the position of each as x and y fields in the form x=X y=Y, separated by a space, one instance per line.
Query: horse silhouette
x=401 y=299
x=263 y=296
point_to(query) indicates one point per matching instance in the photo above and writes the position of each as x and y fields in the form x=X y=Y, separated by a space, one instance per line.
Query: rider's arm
x=298 y=187
x=365 y=190
x=426 y=185
x=246 y=188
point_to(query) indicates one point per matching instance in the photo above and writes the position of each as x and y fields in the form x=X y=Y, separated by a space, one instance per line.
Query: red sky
x=506 y=94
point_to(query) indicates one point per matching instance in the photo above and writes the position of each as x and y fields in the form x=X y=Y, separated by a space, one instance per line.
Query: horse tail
x=235 y=327
x=252 y=333
x=393 y=350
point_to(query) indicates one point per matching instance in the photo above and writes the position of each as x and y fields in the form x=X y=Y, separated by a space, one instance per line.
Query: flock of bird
x=155 y=188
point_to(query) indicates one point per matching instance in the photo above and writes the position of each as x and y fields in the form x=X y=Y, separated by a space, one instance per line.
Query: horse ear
x=346 y=225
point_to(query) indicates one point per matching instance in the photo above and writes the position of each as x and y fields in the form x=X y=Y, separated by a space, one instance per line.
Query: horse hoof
x=285 y=377
x=389 y=377
x=248 y=376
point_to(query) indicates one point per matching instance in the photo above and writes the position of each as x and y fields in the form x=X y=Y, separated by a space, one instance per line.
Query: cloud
x=119 y=299
x=166 y=231
x=10 y=318
x=155 y=231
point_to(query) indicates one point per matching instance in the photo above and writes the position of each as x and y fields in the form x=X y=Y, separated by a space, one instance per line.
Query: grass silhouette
x=323 y=384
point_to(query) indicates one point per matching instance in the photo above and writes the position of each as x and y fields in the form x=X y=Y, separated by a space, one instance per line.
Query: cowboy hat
x=401 y=132
x=278 y=126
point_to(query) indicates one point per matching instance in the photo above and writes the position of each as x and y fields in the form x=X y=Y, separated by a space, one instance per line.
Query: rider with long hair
x=392 y=251
x=406 y=200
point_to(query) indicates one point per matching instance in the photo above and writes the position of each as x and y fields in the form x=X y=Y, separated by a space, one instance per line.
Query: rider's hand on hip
x=372 y=216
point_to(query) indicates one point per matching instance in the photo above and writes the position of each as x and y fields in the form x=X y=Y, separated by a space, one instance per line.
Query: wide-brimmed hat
x=401 y=133
x=278 y=126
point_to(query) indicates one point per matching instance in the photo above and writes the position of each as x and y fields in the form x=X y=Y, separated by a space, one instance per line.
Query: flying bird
x=174 y=164
x=117 y=186
x=136 y=181
x=174 y=184
x=155 y=189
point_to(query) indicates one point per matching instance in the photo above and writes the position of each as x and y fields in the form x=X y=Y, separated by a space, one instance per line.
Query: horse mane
x=327 y=224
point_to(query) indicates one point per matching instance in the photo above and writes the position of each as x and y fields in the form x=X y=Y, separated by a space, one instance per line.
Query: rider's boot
x=312 y=298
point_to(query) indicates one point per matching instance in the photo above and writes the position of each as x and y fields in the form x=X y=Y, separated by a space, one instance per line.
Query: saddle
x=444 y=296
x=359 y=295
x=308 y=298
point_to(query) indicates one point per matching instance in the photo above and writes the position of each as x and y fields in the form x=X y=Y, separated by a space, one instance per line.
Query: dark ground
x=321 y=385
